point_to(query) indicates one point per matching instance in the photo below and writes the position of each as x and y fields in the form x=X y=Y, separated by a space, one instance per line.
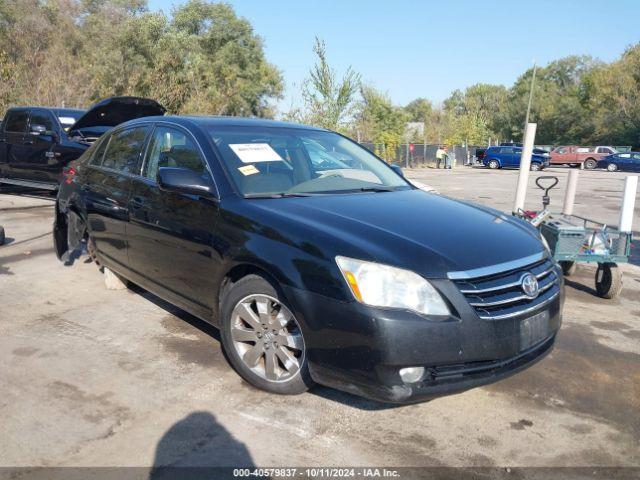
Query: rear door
x=12 y=140
x=106 y=188
x=507 y=156
x=171 y=235
x=39 y=163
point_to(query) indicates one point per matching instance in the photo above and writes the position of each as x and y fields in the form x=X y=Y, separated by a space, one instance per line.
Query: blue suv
x=509 y=157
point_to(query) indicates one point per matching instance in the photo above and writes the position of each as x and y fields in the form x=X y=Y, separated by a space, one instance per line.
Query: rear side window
x=170 y=147
x=17 y=121
x=124 y=149
x=506 y=150
x=44 y=118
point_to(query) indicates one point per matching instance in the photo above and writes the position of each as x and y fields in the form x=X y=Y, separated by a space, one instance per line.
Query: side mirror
x=397 y=169
x=38 y=129
x=183 y=180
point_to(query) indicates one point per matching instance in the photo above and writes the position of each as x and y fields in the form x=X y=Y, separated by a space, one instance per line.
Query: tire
x=612 y=167
x=568 y=268
x=91 y=250
x=608 y=280
x=262 y=338
x=2 y=237
x=590 y=164
x=535 y=167
x=493 y=164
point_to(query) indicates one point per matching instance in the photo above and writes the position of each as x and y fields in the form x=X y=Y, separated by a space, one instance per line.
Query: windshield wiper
x=277 y=195
x=375 y=189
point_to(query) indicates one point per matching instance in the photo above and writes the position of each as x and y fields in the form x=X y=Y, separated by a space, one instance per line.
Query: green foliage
x=327 y=102
x=204 y=59
x=379 y=121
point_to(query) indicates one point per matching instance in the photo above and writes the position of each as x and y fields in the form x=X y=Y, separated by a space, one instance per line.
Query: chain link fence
x=417 y=155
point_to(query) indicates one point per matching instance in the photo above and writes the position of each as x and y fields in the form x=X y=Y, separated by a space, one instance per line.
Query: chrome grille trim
x=500 y=295
x=499 y=268
x=520 y=312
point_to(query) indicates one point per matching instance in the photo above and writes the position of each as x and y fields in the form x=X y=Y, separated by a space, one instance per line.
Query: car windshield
x=274 y=161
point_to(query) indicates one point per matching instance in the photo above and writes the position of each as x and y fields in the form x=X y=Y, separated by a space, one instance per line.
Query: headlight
x=384 y=286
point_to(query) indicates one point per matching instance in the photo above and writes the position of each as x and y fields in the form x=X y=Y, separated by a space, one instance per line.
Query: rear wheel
x=608 y=280
x=612 y=167
x=535 y=167
x=262 y=337
x=590 y=164
x=494 y=164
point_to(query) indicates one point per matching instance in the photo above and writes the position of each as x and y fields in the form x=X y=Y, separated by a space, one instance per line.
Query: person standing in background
x=440 y=156
x=447 y=162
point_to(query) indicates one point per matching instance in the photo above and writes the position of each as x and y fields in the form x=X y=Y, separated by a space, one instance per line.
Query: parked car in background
x=36 y=143
x=574 y=155
x=313 y=277
x=624 y=162
x=509 y=157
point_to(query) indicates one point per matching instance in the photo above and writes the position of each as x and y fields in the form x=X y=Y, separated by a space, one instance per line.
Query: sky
x=428 y=49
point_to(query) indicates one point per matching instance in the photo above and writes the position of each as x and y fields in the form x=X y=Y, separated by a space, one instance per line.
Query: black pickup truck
x=36 y=143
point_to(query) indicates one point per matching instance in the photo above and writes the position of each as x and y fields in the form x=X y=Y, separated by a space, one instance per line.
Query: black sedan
x=340 y=273
x=623 y=162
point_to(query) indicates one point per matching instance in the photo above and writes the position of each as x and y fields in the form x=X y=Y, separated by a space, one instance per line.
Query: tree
x=380 y=122
x=327 y=102
x=612 y=94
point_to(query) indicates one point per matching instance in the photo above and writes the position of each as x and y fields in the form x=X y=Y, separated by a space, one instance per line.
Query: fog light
x=411 y=374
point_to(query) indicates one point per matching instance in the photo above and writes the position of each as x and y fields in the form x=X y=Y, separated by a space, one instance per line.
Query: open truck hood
x=113 y=111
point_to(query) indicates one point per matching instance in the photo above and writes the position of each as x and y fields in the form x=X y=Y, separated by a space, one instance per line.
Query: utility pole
x=533 y=80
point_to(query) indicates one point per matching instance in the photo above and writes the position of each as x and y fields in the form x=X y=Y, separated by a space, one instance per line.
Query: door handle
x=138 y=202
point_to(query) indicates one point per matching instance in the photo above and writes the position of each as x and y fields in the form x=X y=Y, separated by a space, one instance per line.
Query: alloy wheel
x=267 y=338
x=612 y=167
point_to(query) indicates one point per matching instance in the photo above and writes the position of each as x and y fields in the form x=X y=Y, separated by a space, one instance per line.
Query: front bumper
x=360 y=349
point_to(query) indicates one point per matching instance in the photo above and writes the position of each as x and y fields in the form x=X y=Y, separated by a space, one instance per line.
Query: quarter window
x=17 y=121
x=170 y=147
x=124 y=150
x=98 y=156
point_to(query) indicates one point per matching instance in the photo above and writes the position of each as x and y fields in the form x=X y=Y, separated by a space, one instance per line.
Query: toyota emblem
x=529 y=284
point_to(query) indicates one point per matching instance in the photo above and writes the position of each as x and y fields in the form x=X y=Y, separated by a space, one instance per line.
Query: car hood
x=116 y=110
x=412 y=229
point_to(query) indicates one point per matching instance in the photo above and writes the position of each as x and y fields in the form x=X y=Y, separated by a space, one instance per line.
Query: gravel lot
x=92 y=377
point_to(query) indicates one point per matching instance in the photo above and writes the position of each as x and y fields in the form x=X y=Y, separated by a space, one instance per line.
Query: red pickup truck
x=574 y=155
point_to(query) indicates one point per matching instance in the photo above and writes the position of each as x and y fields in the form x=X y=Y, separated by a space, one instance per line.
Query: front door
x=12 y=143
x=39 y=161
x=171 y=235
x=107 y=187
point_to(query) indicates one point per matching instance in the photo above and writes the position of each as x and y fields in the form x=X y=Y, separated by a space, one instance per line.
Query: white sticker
x=67 y=120
x=255 y=152
x=248 y=170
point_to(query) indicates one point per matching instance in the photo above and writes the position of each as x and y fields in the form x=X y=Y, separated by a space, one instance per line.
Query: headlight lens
x=384 y=286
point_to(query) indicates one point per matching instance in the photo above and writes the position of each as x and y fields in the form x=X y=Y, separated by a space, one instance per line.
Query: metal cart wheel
x=1 y=235
x=568 y=267
x=608 y=280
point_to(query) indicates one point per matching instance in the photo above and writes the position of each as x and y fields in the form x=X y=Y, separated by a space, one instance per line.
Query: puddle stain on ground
x=580 y=372
x=190 y=343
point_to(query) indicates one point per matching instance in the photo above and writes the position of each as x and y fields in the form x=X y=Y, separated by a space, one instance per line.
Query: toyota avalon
x=318 y=262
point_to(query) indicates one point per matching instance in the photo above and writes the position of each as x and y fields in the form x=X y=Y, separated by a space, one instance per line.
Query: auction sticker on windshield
x=255 y=152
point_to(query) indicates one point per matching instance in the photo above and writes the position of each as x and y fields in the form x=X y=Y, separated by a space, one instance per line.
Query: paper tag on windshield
x=67 y=120
x=255 y=152
x=248 y=170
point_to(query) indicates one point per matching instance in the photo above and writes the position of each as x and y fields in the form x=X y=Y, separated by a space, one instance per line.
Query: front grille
x=500 y=295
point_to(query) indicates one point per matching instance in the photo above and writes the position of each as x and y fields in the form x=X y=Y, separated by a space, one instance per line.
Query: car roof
x=56 y=110
x=219 y=121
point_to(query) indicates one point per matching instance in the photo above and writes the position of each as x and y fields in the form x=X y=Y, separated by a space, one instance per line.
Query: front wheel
x=262 y=337
x=535 y=167
x=590 y=164
x=494 y=164
x=612 y=167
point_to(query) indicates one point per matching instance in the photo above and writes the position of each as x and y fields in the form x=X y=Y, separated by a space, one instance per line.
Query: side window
x=98 y=155
x=17 y=121
x=124 y=149
x=506 y=150
x=42 y=117
x=170 y=147
x=561 y=151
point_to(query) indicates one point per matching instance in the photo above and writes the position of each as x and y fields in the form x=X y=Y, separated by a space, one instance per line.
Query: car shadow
x=580 y=287
x=198 y=446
